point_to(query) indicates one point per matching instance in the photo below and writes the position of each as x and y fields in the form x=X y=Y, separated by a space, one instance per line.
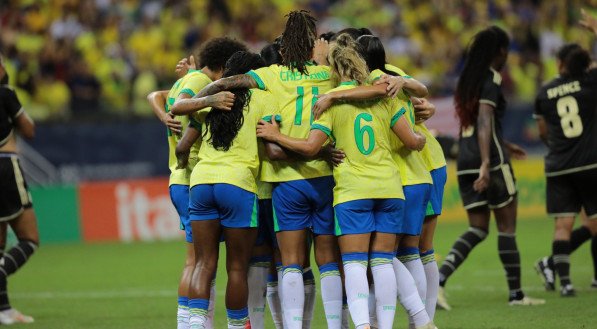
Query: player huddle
x=321 y=141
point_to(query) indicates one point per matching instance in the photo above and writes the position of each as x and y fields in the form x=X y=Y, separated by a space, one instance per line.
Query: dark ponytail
x=223 y=126
x=575 y=59
x=372 y=50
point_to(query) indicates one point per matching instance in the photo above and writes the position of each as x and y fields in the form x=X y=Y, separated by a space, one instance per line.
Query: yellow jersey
x=264 y=189
x=433 y=154
x=239 y=165
x=412 y=166
x=295 y=95
x=362 y=131
x=190 y=84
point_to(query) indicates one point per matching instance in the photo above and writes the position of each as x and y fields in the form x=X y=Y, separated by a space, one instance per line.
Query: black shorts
x=567 y=194
x=501 y=190
x=14 y=196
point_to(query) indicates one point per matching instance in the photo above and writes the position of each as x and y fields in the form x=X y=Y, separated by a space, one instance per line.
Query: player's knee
x=33 y=242
x=481 y=232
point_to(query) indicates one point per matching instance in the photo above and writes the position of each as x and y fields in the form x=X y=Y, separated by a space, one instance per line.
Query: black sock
x=561 y=260
x=577 y=238
x=460 y=250
x=12 y=261
x=510 y=258
x=594 y=253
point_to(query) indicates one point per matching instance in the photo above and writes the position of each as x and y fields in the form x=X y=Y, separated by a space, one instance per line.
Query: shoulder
x=395 y=69
x=493 y=78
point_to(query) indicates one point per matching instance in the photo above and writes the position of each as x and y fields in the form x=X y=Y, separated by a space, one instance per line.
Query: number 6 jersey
x=569 y=107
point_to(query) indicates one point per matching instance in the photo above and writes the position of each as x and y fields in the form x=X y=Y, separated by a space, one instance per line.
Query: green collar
x=191 y=71
x=349 y=83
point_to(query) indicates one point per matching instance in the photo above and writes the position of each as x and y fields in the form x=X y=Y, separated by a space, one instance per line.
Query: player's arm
x=329 y=153
x=484 y=120
x=395 y=83
x=309 y=147
x=542 y=128
x=157 y=101
x=183 y=148
x=411 y=139
x=25 y=125
x=221 y=101
x=515 y=150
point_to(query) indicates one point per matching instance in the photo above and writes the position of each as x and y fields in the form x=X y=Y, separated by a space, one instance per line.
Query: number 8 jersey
x=362 y=130
x=569 y=107
x=295 y=94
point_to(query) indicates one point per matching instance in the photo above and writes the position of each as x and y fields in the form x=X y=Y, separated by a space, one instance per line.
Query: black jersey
x=569 y=108
x=469 y=156
x=10 y=108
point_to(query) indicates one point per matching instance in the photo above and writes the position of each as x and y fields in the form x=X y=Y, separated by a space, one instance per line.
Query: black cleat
x=567 y=291
x=594 y=284
x=547 y=274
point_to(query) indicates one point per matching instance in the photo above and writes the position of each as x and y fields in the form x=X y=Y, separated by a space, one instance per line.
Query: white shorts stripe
x=20 y=182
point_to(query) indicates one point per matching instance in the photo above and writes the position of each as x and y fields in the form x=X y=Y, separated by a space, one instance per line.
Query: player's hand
x=424 y=109
x=395 y=84
x=268 y=130
x=182 y=158
x=184 y=65
x=323 y=103
x=482 y=183
x=174 y=125
x=516 y=151
x=332 y=155
x=320 y=51
x=587 y=21
x=221 y=101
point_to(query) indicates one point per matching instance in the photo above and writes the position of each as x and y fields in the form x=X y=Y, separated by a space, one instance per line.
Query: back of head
x=574 y=60
x=271 y=54
x=217 y=51
x=346 y=62
x=298 y=40
x=353 y=32
x=327 y=36
x=372 y=50
x=224 y=125
x=485 y=46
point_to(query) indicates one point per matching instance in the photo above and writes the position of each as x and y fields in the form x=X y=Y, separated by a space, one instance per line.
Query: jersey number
x=361 y=131
x=298 y=116
x=569 y=118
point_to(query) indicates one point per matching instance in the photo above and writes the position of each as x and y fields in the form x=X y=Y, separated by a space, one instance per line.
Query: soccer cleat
x=567 y=291
x=547 y=274
x=429 y=325
x=12 y=316
x=594 y=284
x=526 y=301
x=442 y=302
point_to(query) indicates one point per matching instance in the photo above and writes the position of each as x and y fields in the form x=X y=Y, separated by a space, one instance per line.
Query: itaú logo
x=143 y=216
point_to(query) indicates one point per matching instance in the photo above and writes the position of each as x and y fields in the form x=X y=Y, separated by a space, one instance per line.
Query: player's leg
x=561 y=252
x=354 y=222
x=206 y=229
x=272 y=293
x=310 y=287
x=585 y=182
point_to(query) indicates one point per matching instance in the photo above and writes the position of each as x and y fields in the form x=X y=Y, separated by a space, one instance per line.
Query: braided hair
x=298 y=40
x=483 y=49
x=223 y=126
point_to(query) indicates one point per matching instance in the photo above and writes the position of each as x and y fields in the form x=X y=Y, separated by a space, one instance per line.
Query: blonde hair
x=346 y=62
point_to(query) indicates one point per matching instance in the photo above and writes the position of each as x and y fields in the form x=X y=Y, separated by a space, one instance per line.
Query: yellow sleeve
x=193 y=85
x=324 y=123
x=263 y=76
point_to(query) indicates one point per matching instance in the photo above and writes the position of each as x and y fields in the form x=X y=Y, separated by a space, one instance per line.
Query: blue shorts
x=303 y=204
x=266 y=234
x=417 y=197
x=435 y=205
x=179 y=194
x=233 y=206
x=369 y=215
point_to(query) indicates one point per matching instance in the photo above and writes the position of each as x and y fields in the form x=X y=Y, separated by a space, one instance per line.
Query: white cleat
x=442 y=302
x=429 y=325
x=527 y=301
x=12 y=316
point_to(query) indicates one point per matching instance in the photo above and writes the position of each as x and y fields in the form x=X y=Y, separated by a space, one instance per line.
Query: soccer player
x=302 y=196
x=365 y=215
x=223 y=196
x=485 y=177
x=16 y=207
x=212 y=58
x=565 y=110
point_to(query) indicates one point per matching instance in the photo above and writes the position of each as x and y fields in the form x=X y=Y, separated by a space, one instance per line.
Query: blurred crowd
x=100 y=58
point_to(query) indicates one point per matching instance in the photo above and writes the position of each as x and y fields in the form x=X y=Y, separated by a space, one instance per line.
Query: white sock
x=385 y=288
x=408 y=294
x=357 y=287
x=198 y=313
x=411 y=259
x=273 y=301
x=345 y=316
x=432 y=274
x=257 y=281
x=212 y=306
x=280 y=270
x=372 y=309
x=293 y=297
x=310 y=295
x=182 y=317
x=331 y=294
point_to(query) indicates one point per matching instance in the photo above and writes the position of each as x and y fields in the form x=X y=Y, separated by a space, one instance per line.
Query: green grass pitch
x=134 y=286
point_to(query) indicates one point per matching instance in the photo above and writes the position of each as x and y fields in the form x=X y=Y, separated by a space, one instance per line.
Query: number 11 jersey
x=569 y=107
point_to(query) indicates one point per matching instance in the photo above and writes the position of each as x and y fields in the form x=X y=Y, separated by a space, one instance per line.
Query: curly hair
x=346 y=62
x=485 y=46
x=298 y=40
x=217 y=51
x=223 y=126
